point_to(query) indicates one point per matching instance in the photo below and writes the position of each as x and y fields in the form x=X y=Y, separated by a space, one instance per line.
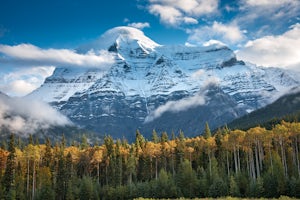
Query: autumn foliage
x=252 y=163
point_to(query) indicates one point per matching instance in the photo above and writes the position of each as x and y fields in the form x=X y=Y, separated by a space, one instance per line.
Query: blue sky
x=265 y=32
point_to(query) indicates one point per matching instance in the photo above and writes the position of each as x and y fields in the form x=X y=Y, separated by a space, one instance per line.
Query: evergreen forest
x=250 y=164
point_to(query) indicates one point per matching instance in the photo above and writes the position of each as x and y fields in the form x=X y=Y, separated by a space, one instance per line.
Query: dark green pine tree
x=118 y=164
x=30 y=139
x=63 y=142
x=69 y=176
x=9 y=176
x=20 y=183
x=139 y=139
x=47 y=158
x=110 y=157
x=207 y=133
x=186 y=180
x=164 y=137
x=60 y=188
x=154 y=137
x=86 y=189
x=84 y=142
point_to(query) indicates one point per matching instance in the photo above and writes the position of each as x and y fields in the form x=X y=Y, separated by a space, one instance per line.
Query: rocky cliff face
x=163 y=87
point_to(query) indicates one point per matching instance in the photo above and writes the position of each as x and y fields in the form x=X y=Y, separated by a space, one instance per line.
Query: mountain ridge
x=144 y=78
x=287 y=106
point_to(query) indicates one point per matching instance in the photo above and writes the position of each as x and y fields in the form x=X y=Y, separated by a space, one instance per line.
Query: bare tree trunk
x=173 y=165
x=239 y=160
x=256 y=161
x=121 y=172
x=156 y=176
x=27 y=186
x=271 y=159
x=209 y=159
x=33 y=180
x=248 y=165
x=130 y=178
x=98 y=172
x=252 y=167
x=261 y=155
x=227 y=161
x=283 y=157
x=151 y=170
x=106 y=178
x=297 y=156
x=235 y=160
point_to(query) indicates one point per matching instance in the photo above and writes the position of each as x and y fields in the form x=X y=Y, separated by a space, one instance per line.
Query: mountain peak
x=120 y=36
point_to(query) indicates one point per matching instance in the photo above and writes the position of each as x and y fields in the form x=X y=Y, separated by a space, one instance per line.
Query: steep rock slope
x=287 y=105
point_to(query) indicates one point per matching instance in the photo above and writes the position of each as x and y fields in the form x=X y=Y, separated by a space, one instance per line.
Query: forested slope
x=252 y=163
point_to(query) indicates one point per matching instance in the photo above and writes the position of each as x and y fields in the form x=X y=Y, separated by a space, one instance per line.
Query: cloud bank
x=21 y=81
x=30 y=55
x=25 y=66
x=198 y=99
x=25 y=116
x=282 y=50
x=227 y=33
x=179 y=12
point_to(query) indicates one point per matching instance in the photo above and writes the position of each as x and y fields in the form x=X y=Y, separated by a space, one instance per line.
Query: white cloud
x=268 y=2
x=190 y=7
x=185 y=103
x=213 y=42
x=25 y=116
x=19 y=87
x=178 y=12
x=27 y=54
x=21 y=81
x=24 y=76
x=281 y=51
x=139 y=25
x=176 y=106
x=265 y=17
x=197 y=74
x=228 y=33
x=168 y=15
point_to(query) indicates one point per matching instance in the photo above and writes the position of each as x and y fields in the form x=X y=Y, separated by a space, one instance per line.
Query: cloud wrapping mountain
x=30 y=55
x=25 y=116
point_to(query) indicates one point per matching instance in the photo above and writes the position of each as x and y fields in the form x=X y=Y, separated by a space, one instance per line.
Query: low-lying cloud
x=25 y=116
x=198 y=99
x=30 y=55
x=21 y=81
x=26 y=65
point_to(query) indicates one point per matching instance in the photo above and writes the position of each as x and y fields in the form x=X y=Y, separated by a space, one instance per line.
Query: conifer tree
x=154 y=138
x=60 y=189
x=207 y=133
x=187 y=179
x=9 y=174
x=47 y=158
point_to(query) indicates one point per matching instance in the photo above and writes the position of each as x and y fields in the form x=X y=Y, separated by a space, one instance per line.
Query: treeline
x=252 y=163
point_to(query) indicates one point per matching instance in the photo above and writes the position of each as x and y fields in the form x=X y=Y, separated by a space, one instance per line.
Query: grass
x=224 y=198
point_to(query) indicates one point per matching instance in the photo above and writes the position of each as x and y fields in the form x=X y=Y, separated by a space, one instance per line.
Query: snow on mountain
x=121 y=38
x=146 y=75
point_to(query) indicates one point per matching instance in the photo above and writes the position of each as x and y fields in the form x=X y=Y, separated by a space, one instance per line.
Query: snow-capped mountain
x=152 y=86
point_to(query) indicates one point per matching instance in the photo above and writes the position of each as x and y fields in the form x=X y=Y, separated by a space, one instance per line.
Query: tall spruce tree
x=207 y=133
x=9 y=175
